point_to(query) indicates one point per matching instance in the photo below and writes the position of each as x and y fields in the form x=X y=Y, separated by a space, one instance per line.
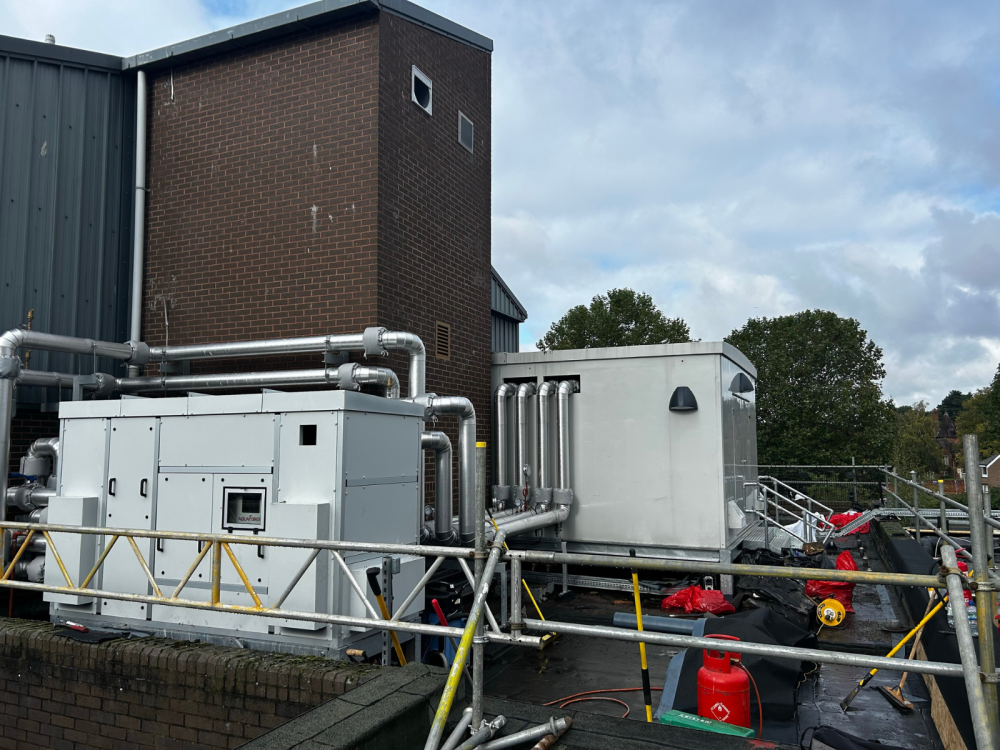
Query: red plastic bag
x=843 y=592
x=842 y=519
x=694 y=599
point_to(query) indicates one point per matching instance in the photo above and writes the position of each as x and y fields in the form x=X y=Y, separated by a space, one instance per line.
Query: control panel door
x=129 y=504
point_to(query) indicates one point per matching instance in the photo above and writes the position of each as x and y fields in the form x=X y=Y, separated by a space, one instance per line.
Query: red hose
x=598 y=698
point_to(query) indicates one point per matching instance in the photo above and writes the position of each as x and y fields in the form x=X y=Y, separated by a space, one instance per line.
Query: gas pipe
x=723 y=692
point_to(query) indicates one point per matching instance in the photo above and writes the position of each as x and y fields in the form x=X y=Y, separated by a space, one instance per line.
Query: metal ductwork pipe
x=353 y=375
x=232 y=380
x=563 y=494
x=466 y=412
x=376 y=341
x=524 y=522
x=501 y=490
x=42 y=458
x=133 y=352
x=441 y=445
x=543 y=493
x=523 y=469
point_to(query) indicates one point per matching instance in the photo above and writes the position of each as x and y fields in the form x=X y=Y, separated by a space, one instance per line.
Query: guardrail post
x=943 y=518
x=982 y=721
x=895 y=487
x=916 y=506
x=981 y=542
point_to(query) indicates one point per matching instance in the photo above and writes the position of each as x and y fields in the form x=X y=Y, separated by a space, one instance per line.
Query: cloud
x=733 y=160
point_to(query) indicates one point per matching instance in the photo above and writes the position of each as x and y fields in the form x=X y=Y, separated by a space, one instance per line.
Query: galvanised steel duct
x=563 y=494
x=441 y=445
x=132 y=352
x=523 y=469
x=466 y=413
x=501 y=490
x=349 y=376
x=524 y=522
x=543 y=493
x=375 y=341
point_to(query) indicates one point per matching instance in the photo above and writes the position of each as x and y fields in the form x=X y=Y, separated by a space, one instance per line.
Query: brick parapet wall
x=152 y=692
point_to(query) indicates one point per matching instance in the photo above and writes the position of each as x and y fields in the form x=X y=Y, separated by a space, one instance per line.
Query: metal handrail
x=792 y=489
x=817 y=518
x=940 y=498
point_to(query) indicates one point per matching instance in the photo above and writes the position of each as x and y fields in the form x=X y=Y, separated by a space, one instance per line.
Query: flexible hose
x=760 y=709
x=598 y=698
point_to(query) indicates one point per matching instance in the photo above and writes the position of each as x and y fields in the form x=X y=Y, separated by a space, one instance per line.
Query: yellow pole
x=647 y=692
x=376 y=588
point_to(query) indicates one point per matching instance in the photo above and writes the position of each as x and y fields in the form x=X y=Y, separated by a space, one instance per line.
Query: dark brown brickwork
x=434 y=207
x=152 y=693
x=296 y=190
x=263 y=192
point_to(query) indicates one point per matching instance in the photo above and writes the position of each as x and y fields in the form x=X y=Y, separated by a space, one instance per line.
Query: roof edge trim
x=57 y=53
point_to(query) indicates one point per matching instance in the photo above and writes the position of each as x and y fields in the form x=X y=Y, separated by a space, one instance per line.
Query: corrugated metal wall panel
x=505 y=334
x=65 y=204
x=502 y=303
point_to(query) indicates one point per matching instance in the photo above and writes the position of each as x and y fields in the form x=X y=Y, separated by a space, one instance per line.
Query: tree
x=620 y=318
x=819 y=390
x=980 y=415
x=915 y=448
x=952 y=403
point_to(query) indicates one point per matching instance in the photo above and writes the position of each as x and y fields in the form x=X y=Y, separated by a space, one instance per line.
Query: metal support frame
x=916 y=501
x=986 y=605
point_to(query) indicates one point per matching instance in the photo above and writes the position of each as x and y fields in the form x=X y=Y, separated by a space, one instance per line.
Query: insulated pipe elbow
x=523 y=469
x=544 y=490
x=353 y=375
x=441 y=445
x=466 y=413
x=501 y=491
x=564 y=494
x=379 y=341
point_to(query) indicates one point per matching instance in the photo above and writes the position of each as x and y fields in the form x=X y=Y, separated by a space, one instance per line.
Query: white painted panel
x=131 y=476
x=78 y=552
x=293 y=521
x=308 y=473
x=381 y=513
x=217 y=440
x=83 y=457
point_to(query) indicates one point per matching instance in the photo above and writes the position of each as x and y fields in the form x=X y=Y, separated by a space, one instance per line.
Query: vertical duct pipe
x=501 y=490
x=523 y=469
x=466 y=413
x=139 y=229
x=441 y=445
x=563 y=494
x=543 y=493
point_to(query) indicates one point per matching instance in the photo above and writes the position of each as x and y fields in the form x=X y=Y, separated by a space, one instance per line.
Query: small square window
x=466 y=132
x=307 y=434
x=421 y=90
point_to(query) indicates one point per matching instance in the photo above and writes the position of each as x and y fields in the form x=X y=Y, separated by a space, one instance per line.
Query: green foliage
x=980 y=415
x=620 y=318
x=819 y=390
x=953 y=402
x=915 y=448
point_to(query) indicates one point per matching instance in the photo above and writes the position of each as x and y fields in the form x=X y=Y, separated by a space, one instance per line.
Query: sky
x=731 y=159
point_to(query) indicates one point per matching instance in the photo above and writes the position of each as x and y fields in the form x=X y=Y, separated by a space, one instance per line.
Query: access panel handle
x=112 y=485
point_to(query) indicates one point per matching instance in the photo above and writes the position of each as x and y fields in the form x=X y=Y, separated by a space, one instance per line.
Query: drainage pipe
x=441 y=445
x=466 y=413
x=523 y=470
x=501 y=490
x=133 y=352
x=544 y=491
x=138 y=236
x=563 y=494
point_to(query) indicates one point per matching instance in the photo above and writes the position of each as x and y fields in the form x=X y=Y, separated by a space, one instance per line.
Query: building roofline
x=513 y=297
x=58 y=53
x=311 y=16
x=990 y=461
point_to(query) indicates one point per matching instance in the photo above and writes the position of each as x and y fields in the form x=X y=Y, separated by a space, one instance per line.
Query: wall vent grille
x=442 y=340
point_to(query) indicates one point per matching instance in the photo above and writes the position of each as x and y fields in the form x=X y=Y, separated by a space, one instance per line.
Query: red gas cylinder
x=723 y=692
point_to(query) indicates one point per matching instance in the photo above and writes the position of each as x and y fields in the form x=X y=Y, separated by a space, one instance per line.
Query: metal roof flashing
x=690 y=348
x=311 y=16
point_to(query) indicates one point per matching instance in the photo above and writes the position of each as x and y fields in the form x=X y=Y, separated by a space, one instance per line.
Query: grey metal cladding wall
x=505 y=334
x=502 y=303
x=66 y=154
